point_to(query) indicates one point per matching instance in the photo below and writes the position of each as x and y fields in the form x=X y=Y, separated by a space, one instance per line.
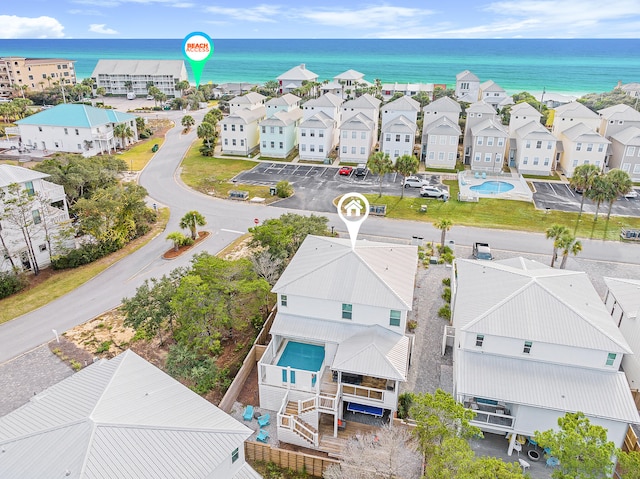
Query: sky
x=320 y=19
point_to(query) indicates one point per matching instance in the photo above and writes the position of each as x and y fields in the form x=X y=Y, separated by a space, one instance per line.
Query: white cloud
x=182 y=5
x=26 y=27
x=369 y=18
x=102 y=29
x=259 y=13
x=94 y=13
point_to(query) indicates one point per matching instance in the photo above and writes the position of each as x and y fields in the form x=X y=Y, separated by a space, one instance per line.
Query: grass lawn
x=553 y=177
x=502 y=214
x=64 y=281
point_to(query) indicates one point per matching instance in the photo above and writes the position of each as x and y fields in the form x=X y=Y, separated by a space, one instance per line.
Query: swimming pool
x=492 y=187
x=307 y=357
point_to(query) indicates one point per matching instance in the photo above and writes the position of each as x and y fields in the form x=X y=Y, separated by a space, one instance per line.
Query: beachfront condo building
x=240 y=131
x=467 y=87
x=477 y=113
x=20 y=73
x=359 y=128
x=279 y=130
x=338 y=339
x=121 y=77
x=533 y=343
x=49 y=214
x=294 y=78
x=75 y=128
x=318 y=132
x=399 y=127
x=581 y=145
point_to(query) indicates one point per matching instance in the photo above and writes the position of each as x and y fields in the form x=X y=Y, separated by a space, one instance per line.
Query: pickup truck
x=482 y=251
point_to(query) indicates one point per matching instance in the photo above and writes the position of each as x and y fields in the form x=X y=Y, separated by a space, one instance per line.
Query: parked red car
x=345 y=170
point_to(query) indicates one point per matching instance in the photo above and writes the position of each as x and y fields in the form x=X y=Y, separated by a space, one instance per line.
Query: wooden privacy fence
x=297 y=461
x=631 y=442
x=636 y=397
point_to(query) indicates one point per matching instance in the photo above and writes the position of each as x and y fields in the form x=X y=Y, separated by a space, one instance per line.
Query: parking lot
x=559 y=196
x=316 y=186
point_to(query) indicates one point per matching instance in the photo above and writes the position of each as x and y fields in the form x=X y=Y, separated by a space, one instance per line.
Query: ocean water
x=563 y=66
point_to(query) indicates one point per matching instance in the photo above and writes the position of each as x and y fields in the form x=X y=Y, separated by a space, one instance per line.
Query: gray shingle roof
x=118 y=418
x=376 y=274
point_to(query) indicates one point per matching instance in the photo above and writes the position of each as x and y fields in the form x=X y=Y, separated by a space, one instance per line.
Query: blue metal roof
x=75 y=115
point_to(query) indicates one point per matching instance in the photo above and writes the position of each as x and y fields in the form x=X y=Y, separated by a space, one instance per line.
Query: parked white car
x=415 y=182
x=632 y=195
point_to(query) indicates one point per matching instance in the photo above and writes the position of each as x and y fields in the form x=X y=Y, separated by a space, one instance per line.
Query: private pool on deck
x=307 y=357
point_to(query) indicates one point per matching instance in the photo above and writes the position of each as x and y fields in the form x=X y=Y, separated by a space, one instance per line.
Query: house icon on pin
x=353 y=208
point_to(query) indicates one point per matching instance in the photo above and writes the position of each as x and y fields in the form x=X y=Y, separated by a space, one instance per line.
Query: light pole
x=541 y=100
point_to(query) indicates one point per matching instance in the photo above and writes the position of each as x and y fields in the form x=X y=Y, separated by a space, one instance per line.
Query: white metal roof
x=319 y=120
x=581 y=132
x=445 y=103
x=283 y=118
x=245 y=116
x=627 y=294
x=363 y=101
x=349 y=75
x=482 y=107
x=498 y=129
x=574 y=109
x=400 y=124
x=442 y=125
x=287 y=99
x=490 y=85
x=359 y=121
x=530 y=301
x=118 y=418
x=298 y=73
x=326 y=100
x=10 y=174
x=376 y=274
x=404 y=103
x=523 y=108
x=467 y=76
x=250 y=98
x=534 y=129
x=628 y=136
x=603 y=394
x=139 y=67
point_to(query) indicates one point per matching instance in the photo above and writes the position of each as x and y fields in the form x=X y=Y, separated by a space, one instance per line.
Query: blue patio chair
x=248 y=413
x=262 y=436
x=484 y=175
x=476 y=175
x=264 y=420
x=552 y=461
x=531 y=442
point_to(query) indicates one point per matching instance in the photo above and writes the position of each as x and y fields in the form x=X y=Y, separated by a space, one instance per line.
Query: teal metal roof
x=77 y=116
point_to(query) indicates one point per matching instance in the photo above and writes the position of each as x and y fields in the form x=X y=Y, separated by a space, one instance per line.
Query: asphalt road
x=229 y=219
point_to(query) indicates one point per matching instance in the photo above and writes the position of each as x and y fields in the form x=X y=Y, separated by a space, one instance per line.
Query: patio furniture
x=264 y=420
x=342 y=424
x=476 y=175
x=484 y=175
x=531 y=442
x=248 y=413
x=262 y=436
x=524 y=464
x=364 y=409
x=552 y=461
x=517 y=447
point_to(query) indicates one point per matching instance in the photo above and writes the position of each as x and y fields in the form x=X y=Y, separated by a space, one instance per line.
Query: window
x=362 y=150
x=241 y=141
x=79 y=146
x=479 y=140
x=479 y=340
x=549 y=145
x=500 y=141
x=490 y=141
x=281 y=145
x=477 y=157
x=272 y=129
x=303 y=147
x=498 y=157
x=39 y=128
x=264 y=144
x=451 y=156
x=600 y=147
x=433 y=139
x=397 y=137
x=546 y=161
x=283 y=300
x=77 y=132
x=344 y=149
x=407 y=138
x=320 y=134
x=344 y=134
x=224 y=128
x=396 y=153
x=453 y=140
x=66 y=131
x=578 y=146
x=280 y=130
x=631 y=150
x=527 y=144
x=394 y=318
x=226 y=141
x=235 y=455
x=233 y=142
x=354 y=135
x=636 y=168
x=241 y=127
x=312 y=148
x=487 y=157
x=575 y=163
x=233 y=127
x=36 y=217
x=443 y=140
x=441 y=155
x=273 y=144
x=347 y=311
x=525 y=160
x=353 y=150
x=538 y=144
x=432 y=155
x=28 y=185
x=589 y=146
x=264 y=128
x=303 y=132
x=611 y=358
x=536 y=160
x=321 y=148
x=527 y=347
x=363 y=135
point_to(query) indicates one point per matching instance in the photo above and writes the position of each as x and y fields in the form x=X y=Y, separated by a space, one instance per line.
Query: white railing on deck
x=362 y=392
x=493 y=419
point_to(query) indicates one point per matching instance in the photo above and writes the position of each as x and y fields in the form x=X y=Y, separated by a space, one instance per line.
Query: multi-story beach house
x=122 y=417
x=477 y=113
x=581 y=145
x=48 y=213
x=389 y=90
x=399 y=127
x=441 y=133
x=293 y=78
x=278 y=131
x=75 y=128
x=318 y=132
x=489 y=141
x=338 y=340
x=623 y=302
x=617 y=118
x=625 y=152
x=359 y=128
x=570 y=114
x=532 y=343
x=239 y=131
x=493 y=94
x=532 y=148
x=34 y=74
x=632 y=89
x=467 y=87
x=119 y=77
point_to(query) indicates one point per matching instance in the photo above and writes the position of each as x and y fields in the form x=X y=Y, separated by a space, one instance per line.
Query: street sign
x=256 y=221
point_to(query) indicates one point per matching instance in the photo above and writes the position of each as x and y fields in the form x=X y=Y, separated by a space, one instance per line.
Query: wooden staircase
x=302 y=428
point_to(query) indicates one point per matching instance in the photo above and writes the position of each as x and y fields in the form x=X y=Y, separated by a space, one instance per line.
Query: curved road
x=227 y=220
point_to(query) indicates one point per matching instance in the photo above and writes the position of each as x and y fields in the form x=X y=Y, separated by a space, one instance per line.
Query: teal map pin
x=197 y=47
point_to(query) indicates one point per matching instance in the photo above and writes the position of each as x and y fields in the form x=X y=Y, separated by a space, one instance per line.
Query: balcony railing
x=363 y=392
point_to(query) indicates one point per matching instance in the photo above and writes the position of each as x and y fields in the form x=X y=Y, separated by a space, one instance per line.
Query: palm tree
x=207 y=132
x=582 y=179
x=555 y=232
x=191 y=221
x=406 y=165
x=188 y=122
x=380 y=164
x=620 y=182
x=182 y=85
x=128 y=85
x=601 y=190
x=122 y=131
x=569 y=244
x=443 y=225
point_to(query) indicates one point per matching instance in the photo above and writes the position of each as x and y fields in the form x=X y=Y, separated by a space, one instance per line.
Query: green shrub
x=445 y=312
x=447 y=257
x=104 y=347
x=446 y=295
x=12 y=282
x=185 y=363
x=412 y=324
x=405 y=400
x=446 y=281
x=284 y=189
x=86 y=254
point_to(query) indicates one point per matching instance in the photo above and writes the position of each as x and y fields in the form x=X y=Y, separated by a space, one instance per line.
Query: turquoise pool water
x=308 y=357
x=492 y=187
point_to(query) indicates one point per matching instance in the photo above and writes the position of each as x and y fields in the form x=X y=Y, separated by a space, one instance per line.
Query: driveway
x=559 y=196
